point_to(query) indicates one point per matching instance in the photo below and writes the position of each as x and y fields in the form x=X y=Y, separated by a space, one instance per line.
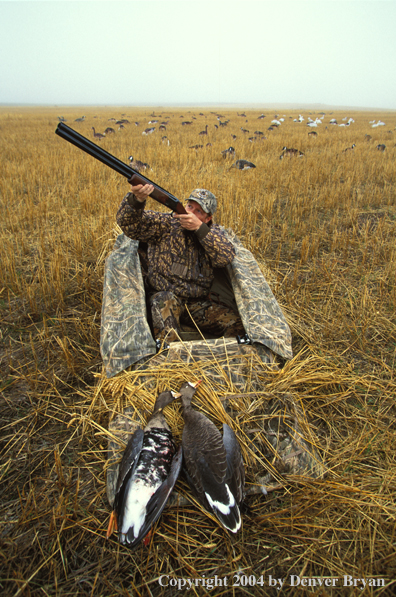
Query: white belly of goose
x=135 y=508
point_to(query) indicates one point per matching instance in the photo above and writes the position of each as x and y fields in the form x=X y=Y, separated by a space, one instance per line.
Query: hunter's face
x=196 y=209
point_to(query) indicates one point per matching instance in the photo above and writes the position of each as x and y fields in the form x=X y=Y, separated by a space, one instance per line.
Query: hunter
x=182 y=251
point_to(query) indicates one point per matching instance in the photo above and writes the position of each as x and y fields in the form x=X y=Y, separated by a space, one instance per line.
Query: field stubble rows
x=322 y=228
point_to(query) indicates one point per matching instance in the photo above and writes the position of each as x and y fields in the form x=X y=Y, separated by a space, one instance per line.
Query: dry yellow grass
x=323 y=229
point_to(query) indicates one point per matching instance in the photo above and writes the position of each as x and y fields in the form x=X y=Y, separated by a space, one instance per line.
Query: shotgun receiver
x=134 y=177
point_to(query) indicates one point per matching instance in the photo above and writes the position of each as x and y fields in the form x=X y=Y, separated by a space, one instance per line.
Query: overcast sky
x=147 y=52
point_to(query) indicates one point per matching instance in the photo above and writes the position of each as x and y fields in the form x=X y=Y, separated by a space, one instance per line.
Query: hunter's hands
x=188 y=221
x=141 y=192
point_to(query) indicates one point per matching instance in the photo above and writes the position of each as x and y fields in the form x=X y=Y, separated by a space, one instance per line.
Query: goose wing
x=204 y=452
x=158 y=500
x=129 y=461
x=235 y=475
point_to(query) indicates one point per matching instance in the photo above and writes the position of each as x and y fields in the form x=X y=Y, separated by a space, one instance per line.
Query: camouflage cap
x=205 y=199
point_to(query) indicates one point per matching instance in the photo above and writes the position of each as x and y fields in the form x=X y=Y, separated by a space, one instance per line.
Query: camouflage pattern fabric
x=125 y=333
x=178 y=260
x=261 y=314
x=210 y=316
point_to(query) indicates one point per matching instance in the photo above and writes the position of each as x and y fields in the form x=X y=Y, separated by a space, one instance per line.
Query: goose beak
x=196 y=384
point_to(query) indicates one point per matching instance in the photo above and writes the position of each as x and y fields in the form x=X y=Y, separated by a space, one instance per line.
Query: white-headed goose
x=148 y=472
x=213 y=463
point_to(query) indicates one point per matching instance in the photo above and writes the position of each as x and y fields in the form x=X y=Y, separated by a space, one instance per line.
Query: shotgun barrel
x=134 y=177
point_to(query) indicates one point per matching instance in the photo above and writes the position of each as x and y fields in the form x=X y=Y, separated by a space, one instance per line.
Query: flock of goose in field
x=258 y=135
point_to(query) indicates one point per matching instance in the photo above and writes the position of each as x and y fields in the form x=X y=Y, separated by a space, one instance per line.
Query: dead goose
x=148 y=472
x=213 y=463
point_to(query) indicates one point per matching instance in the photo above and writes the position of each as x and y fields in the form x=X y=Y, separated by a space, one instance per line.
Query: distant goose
x=261 y=117
x=312 y=134
x=185 y=122
x=349 y=148
x=381 y=147
x=109 y=131
x=258 y=133
x=162 y=127
x=244 y=130
x=243 y=165
x=80 y=119
x=195 y=146
x=234 y=137
x=148 y=472
x=205 y=132
x=123 y=121
x=228 y=152
x=367 y=137
x=213 y=463
x=138 y=165
x=165 y=140
x=98 y=135
x=290 y=152
x=149 y=131
x=61 y=119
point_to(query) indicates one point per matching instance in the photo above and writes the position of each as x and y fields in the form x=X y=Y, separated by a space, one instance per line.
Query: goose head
x=163 y=400
x=187 y=392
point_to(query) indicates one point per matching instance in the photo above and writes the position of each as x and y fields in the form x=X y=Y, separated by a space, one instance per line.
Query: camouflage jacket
x=178 y=260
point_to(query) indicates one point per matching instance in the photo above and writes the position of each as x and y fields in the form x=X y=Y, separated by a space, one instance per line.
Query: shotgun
x=134 y=177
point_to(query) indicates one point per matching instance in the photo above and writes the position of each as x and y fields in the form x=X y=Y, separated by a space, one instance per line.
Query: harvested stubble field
x=322 y=228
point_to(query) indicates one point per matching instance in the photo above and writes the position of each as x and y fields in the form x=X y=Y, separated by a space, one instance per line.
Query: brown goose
x=228 y=152
x=213 y=463
x=349 y=148
x=290 y=152
x=97 y=135
x=138 y=165
x=243 y=165
x=148 y=472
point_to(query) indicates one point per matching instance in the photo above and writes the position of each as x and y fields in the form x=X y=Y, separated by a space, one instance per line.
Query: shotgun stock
x=134 y=177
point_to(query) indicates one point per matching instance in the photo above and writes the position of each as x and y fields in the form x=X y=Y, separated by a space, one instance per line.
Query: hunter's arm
x=220 y=250
x=137 y=223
